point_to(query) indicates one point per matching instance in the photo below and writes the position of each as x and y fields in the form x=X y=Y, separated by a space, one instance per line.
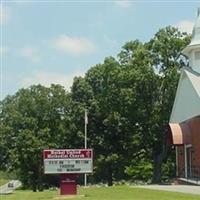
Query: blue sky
x=53 y=41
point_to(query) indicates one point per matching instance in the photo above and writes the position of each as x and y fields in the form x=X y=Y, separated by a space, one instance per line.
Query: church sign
x=68 y=161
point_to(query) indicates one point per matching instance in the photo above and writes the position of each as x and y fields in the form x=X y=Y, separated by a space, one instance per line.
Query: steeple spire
x=192 y=51
x=196 y=30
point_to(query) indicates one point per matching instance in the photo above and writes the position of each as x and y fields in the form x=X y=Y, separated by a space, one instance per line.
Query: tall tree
x=32 y=120
x=162 y=54
x=165 y=47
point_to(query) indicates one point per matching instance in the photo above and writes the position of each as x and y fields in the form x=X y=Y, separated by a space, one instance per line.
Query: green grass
x=3 y=181
x=104 y=193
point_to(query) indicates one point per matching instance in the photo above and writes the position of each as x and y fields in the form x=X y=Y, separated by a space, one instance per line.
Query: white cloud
x=185 y=26
x=123 y=3
x=4 y=14
x=73 y=45
x=46 y=79
x=30 y=53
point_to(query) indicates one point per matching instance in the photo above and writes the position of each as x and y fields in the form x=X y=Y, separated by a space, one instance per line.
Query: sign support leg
x=68 y=184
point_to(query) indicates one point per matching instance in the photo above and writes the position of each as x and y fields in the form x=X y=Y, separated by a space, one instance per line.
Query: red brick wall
x=194 y=125
x=181 y=161
x=195 y=129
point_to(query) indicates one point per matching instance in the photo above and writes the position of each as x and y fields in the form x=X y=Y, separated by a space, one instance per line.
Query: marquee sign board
x=68 y=161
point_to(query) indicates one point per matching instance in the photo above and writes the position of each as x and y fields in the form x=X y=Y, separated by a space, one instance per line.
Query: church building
x=185 y=117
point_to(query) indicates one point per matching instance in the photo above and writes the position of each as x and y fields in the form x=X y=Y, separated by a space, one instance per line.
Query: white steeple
x=192 y=51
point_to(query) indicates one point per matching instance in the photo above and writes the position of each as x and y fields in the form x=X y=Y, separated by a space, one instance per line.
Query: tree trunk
x=40 y=182
x=34 y=181
x=34 y=186
x=160 y=156
x=110 y=177
x=157 y=167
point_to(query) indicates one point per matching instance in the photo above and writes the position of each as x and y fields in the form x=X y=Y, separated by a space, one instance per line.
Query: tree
x=34 y=119
x=165 y=47
x=111 y=100
x=156 y=91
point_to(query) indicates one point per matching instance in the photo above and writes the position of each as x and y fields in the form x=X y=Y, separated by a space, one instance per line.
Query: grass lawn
x=3 y=181
x=104 y=193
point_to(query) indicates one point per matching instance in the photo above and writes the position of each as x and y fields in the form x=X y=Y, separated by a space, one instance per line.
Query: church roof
x=195 y=80
x=187 y=100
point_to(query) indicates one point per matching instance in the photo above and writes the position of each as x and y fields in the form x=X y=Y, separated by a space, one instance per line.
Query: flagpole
x=86 y=122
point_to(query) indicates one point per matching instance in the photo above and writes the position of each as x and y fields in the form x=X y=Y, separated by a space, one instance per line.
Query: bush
x=141 y=170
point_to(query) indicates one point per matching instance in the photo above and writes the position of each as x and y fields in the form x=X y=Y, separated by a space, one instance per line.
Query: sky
x=53 y=41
